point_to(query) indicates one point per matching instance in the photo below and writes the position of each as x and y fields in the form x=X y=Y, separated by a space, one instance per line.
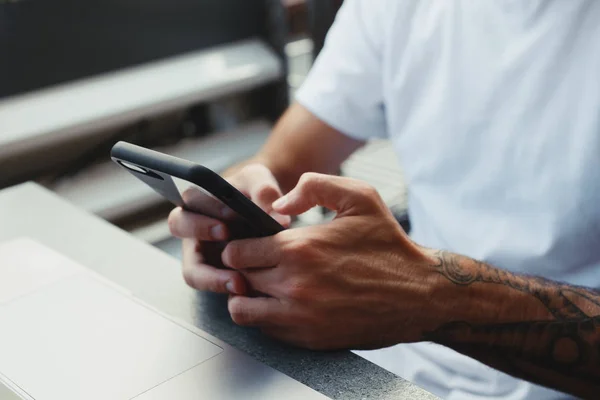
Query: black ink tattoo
x=562 y=352
x=551 y=294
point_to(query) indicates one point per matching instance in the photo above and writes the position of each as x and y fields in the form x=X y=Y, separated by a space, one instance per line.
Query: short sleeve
x=344 y=87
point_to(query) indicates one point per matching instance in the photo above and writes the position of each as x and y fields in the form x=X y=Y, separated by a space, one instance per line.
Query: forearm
x=300 y=143
x=542 y=331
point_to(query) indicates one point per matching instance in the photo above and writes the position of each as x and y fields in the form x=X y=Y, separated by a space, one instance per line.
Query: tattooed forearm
x=561 y=352
x=556 y=297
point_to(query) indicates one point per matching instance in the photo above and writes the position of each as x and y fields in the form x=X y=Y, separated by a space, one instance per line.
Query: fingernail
x=280 y=202
x=230 y=288
x=218 y=232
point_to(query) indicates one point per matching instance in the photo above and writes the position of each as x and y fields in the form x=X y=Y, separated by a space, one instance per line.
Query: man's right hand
x=202 y=269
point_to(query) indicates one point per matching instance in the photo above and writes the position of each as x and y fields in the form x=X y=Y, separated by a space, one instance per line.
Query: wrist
x=448 y=301
x=423 y=299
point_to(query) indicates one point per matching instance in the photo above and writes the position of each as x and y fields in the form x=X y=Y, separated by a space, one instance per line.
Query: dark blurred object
x=321 y=14
x=401 y=215
x=47 y=42
x=297 y=16
x=273 y=100
x=312 y=17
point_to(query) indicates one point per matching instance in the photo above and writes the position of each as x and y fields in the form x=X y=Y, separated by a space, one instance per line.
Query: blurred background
x=203 y=80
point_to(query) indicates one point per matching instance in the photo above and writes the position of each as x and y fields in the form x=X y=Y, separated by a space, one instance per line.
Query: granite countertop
x=339 y=375
x=155 y=278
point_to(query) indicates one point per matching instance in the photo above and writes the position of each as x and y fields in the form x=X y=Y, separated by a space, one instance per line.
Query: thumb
x=344 y=195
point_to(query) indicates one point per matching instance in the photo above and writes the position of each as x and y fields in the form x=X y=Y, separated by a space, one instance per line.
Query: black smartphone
x=209 y=193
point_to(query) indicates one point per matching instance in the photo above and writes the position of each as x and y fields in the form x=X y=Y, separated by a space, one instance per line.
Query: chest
x=499 y=116
x=516 y=97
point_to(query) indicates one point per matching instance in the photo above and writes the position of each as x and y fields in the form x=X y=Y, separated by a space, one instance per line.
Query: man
x=494 y=109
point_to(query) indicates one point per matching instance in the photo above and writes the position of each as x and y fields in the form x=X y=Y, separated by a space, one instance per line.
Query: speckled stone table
x=154 y=277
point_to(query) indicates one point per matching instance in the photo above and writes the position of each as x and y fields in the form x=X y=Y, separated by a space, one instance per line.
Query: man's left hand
x=355 y=282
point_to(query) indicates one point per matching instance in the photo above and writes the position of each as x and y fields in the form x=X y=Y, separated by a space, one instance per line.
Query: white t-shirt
x=494 y=109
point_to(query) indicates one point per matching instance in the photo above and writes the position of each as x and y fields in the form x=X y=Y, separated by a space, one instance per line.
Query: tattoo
x=554 y=296
x=562 y=352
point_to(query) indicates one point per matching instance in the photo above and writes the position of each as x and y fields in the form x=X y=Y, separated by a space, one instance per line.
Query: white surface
x=81 y=339
x=47 y=116
x=492 y=107
x=300 y=59
x=24 y=270
x=235 y=379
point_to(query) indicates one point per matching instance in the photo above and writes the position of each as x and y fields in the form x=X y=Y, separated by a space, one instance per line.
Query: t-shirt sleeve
x=344 y=86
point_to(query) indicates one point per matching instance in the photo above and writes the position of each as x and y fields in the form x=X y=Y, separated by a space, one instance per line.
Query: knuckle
x=196 y=277
x=231 y=255
x=174 y=216
x=213 y=286
x=189 y=277
x=368 y=194
x=308 y=178
x=239 y=314
x=201 y=230
x=299 y=248
x=366 y=190
x=295 y=289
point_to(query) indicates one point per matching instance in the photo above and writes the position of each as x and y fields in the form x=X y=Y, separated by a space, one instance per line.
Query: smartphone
x=197 y=189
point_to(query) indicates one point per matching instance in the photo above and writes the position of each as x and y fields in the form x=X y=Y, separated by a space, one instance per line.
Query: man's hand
x=360 y=282
x=356 y=282
x=202 y=235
